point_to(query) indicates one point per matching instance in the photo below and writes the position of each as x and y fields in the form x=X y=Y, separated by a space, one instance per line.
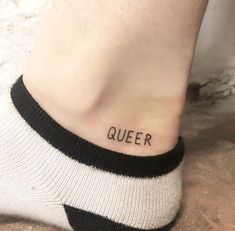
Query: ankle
x=135 y=127
x=159 y=136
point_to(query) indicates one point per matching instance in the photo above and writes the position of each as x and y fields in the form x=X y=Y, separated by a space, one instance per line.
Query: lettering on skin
x=129 y=136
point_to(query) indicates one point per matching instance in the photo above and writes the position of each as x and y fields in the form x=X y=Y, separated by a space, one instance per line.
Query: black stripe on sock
x=81 y=220
x=86 y=152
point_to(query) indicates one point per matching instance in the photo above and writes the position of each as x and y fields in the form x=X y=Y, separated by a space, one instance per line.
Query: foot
x=49 y=174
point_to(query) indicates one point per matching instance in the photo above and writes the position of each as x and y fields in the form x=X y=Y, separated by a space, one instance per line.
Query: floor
x=209 y=173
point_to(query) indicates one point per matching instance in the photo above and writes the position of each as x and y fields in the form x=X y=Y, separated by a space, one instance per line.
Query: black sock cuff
x=89 y=153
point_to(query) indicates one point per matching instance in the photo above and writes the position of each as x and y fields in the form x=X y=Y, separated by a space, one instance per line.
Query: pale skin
x=120 y=63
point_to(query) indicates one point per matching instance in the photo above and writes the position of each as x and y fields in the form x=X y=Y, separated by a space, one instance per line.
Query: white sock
x=51 y=175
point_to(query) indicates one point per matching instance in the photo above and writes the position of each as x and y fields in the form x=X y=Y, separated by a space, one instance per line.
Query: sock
x=51 y=175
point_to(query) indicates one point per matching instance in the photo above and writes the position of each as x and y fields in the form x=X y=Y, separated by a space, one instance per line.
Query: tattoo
x=147 y=139
x=129 y=136
x=111 y=133
x=138 y=137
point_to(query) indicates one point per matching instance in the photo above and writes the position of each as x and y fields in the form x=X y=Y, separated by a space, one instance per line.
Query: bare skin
x=120 y=63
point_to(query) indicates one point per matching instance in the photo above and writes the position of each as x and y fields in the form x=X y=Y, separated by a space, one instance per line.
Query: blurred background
x=209 y=119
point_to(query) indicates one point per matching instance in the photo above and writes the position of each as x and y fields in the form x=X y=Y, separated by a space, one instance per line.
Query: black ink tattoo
x=111 y=133
x=148 y=137
x=138 y=137
x=119 y=137
x=129 y=136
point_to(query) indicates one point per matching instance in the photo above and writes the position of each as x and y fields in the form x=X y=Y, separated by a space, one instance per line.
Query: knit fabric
x=51 y=175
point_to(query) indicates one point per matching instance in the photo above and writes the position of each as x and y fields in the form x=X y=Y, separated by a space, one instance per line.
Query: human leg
x=116 y=65
x=122 y=64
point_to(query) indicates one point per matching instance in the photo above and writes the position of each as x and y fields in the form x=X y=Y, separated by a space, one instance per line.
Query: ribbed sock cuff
x=88 y=153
